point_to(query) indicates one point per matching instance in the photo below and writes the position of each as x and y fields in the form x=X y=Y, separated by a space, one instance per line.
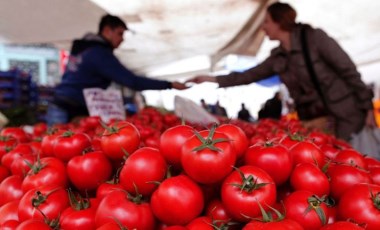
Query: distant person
x=272 y=108
x=322 y=79
x=92 y=64
x=219 y=110
x=244 y=114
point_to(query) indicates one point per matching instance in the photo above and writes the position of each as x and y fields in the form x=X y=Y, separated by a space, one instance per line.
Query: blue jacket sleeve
x=110 y=67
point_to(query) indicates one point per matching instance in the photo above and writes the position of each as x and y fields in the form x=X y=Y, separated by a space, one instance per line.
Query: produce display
x=154 y=171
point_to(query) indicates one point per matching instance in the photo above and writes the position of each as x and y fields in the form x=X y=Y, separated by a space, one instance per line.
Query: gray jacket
x=340 y=82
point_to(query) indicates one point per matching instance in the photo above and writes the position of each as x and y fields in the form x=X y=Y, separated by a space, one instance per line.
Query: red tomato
x=375 y=175
x=48 y=142
x=216 y=211
x=171 y=142
x=172 y=209
x=70 y=144
x=360 y=203
x=50 y=200
x=120 y=138
x=48 y=170
x=6 y=144
x=372 y=162
x=329 y=151
x=144 y=166
x=10 y=189
x=244 y=188
x=307 y=176
x=342 y=225
x=88 y=171
x=81 y=215
x=33 y=224
x=343 y=177
x=19 y=151
x=9 y=225
x=201 y=223
x=306 y=209
x=306 y=152
x=118 y=206
x=237 y=137
x=272 y=158
x=4 y=173
x=9 y=211
x=17 y=133
x=105 y=188
x=292 y=139
x=39 y=129
x=286 y=224
x=208 y=157
x=111 y=226
x=351 y=157
x=318 y=138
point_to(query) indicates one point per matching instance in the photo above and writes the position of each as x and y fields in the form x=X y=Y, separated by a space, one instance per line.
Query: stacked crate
x=17 y=89
x=18 y=96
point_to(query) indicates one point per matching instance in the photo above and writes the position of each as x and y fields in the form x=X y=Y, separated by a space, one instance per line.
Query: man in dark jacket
x=92 y=64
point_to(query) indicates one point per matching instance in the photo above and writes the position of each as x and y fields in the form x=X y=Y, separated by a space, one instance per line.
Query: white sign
x=107 y=104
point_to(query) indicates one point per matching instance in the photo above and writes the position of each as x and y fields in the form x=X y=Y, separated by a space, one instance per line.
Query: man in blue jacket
x=92 y=64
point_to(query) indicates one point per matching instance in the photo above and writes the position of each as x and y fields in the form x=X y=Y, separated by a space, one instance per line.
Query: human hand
x=370 y=119
x=179 y=85
x=201 y=78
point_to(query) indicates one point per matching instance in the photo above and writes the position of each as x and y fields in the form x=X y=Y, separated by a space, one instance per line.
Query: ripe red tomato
x=4 y=172
x=351 y=157
x=172 y=209
x=201 y=223
x=50 y=200
x=244 y=188
x=375 y=175
x=10 y=189
x=272 y=158
x=17 y=133
x=304 y=152
x=120 y=138
x=343 y=177
x=86 y=172
x=237 y=137
x=307 y=176
x=81 y=215
x=360 y=204
x=105 y=188
x=19 y=151
x=33 y=224
x=48 y=170
x=144 y=166
x=48 y=142
x=208 y=157
x=285 y=224
x=342 y=225
x=131 y=214
x=216 y=211
x=171 y=142
x=9 y=211
x=306 y=209
x=70 y=144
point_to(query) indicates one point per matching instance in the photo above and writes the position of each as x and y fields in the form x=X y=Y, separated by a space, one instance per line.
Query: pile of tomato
x=154 y=171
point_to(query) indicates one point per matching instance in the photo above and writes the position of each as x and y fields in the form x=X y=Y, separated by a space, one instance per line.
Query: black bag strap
x=309 y=65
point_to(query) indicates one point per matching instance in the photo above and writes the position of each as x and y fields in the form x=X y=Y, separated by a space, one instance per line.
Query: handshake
x=197 y=80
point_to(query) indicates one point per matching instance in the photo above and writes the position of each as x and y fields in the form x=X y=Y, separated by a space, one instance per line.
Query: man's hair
x=283 y=14
x=111 y=21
